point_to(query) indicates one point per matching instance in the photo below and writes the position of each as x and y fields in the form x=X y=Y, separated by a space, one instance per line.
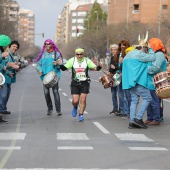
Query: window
x=165 y=7
x=74 y=20
x=74 y=14
x=81 y=13
x=135 y=8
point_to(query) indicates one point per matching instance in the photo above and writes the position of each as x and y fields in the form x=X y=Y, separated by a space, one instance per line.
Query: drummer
x=80 y=84
x=155 y=108
x=48 y=60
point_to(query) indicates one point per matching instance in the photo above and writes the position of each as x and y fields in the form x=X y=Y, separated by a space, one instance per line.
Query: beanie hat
x=4 y=40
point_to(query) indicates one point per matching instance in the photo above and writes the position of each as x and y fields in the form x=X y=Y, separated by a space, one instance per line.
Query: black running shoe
x=139 y=123
x=114 y=112
x=3 y=121
x=132 y=126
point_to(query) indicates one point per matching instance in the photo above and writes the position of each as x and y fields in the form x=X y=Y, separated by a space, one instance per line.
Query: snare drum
x=162 y=84
x=50 y=79
x=106 y=79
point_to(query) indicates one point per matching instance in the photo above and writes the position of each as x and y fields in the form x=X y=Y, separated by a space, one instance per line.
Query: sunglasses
x=79 y=54
x=46 y=43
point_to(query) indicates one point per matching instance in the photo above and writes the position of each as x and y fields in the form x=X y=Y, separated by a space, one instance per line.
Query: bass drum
x=162 y=84
x=50 y=79
x=2 y=79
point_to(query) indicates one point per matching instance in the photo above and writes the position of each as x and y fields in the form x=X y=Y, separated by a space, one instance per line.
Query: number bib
x=81 y=76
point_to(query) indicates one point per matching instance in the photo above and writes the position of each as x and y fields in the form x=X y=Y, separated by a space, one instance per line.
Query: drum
x=162 y=84
x=50 y=79
x=106 y=79
x=2 y=80
x=117 y=78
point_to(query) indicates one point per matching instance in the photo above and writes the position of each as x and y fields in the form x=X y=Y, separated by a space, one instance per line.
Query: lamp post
x=97 y=18
x=159 y=19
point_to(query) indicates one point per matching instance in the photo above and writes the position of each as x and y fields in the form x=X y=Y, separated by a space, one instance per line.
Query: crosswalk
x=136 y=140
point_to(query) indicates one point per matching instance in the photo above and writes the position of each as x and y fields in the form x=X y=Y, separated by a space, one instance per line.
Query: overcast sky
x=46 y=15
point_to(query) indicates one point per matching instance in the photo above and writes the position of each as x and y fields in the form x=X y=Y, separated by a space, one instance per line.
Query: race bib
x=81 y=76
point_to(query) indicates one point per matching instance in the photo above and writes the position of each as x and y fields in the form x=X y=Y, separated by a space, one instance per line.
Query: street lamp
x=97 y=18
x=159 y=19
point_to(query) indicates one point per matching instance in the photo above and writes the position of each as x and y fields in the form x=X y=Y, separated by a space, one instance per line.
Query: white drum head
x=49 y=77
x=2 y=79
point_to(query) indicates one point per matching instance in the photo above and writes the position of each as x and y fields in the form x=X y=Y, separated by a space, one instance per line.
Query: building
x=27 y=26
x=9 y=10
x=72 y=19
x=143 y=11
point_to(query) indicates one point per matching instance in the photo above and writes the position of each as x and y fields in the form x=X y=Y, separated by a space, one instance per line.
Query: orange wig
x=157 y=44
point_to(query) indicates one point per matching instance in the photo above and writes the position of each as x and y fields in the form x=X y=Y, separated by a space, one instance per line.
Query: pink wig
x=55 y=48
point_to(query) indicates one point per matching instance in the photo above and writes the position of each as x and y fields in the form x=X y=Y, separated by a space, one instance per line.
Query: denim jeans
x=137 y=92
x=154 y=109
x=114 y=98
x=124 y=100
x=4 y=96
x=121 y=98
x=127 y=102
x=56 y=97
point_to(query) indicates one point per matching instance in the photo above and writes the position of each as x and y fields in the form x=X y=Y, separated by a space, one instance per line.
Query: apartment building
x=72 y=19
x=27 y=26
x=9 y=10
x=144 y=11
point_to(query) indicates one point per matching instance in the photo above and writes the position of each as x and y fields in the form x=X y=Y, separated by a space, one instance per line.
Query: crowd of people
x=136 y=64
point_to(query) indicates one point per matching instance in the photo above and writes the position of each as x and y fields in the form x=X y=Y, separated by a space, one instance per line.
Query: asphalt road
x=33 y=140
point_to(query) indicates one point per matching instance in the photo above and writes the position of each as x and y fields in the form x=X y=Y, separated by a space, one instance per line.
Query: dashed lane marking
x=75 y=148
x=72 y=136
x=12 y=136
x=133 y=137
x=101 y=128
x=10 y=148
x=148 y=149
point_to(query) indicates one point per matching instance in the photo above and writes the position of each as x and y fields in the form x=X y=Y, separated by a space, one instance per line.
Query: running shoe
x=81 y=118
x=74 y=112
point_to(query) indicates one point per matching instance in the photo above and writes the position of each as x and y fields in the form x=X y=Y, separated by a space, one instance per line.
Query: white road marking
x=10 y=148
x=12 y=136
x=133 y=137
x=64 y=94
x=148 y=148
x=101 y=127
x=166 y=100
x=70 y=100
x=73 y=169
x=75 y=148
x=72 y=136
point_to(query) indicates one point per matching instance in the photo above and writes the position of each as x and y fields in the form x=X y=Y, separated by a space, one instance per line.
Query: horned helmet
x=143 y=41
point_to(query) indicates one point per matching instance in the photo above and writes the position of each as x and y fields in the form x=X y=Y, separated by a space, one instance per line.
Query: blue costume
x=135 y=78
x=45 y=65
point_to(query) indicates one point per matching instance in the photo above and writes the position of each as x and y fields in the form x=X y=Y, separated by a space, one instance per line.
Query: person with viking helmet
x=155 y=108
x=80 y=84
x=135 y=78
x=4 y=42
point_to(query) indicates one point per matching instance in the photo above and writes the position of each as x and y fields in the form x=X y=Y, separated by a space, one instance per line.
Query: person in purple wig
x=48 y=61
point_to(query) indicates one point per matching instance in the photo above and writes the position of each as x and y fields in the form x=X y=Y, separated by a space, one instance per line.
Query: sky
x=46 y=16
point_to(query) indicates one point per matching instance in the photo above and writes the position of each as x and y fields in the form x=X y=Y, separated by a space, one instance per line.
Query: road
x=33 y=140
